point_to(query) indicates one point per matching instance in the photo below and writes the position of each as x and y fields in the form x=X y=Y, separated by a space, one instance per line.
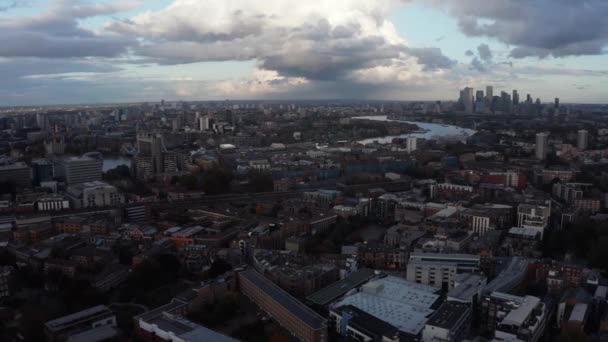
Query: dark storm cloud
x=478 y=65
x=314 y=48
x=317 y=51
x=56 y=33
x=241 y=26
x=536 y=27
x=431 y=58
x=483 y=61
x=484 y=52
x=39 y=44
x=313 y=51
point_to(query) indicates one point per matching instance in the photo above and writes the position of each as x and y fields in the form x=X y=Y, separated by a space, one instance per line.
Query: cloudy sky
x=90 y=51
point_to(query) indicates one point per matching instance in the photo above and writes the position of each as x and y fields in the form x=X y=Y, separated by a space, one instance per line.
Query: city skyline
x=63 y=52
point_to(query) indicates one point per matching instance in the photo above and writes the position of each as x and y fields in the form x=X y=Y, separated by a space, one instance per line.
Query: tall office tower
x=152 y=145
x=541 y=146
x=176 y=124
x=528 y=99
x=556 y=102
x=18 y=173
x=142 y=167
x=42 y=170
x=489 y=94
x=42 y=121
x=412 y=143
x=582 y=140
x=467 y=99
x=77 y=170
x=170 y=162
x=203 y=123
x=480 y=102
x=505 y=101
x=515 y=97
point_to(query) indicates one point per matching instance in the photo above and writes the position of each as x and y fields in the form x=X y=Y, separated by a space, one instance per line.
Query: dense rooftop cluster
x=318 y=221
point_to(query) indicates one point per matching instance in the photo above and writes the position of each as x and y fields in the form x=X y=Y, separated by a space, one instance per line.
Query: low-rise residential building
x=533 y=217
x=65 y=267
x=5 y=276
x=508 y=317
x=52 y=203
x=94 y=194
x=439 y=269
x=166 y=323
x=303 y=323
x=62 y=328
x=481 y=218
x=350 y=321
x=546 y=176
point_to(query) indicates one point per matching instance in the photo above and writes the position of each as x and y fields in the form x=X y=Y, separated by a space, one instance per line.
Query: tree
x=124 y=252
x=217 y=181
x=6 y=258
x=31 y=324
x=118 y=173
x=218 y=312
x=8 y=187
x=152 y=274
x=261 y=181
x=573 y=336
x=218 y=267
x=598 y=253
x=189 y=182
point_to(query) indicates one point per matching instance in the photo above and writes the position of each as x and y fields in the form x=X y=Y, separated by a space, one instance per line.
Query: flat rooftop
x=518 y=316
x=442 y=256
x=363 y=320
x=579 y=312
x=467 y=285
x=401 y=290
x=187 y=330
x=526 y=232
x=407 y=318
x=448 y=315
x=334 y=291
x=401 y=303
x=295 y=307
x=102 y=333
x=15 y=166
x=60 y=323
x=169 y=307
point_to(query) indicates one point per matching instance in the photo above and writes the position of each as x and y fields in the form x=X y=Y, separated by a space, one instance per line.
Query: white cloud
x=315 y=39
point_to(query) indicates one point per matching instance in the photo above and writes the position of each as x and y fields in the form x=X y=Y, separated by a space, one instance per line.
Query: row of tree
x=585 y=239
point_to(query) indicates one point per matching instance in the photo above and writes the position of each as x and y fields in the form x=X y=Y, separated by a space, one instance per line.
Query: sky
x=105 y=51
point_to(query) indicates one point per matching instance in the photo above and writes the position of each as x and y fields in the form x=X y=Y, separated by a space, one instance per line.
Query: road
x=253 y=197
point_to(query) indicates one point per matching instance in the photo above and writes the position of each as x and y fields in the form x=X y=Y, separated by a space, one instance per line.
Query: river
x=431 y=131
x=111 y=163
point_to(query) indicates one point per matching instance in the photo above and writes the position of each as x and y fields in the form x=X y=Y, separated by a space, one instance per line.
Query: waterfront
x=431 y=131
x=113 y=162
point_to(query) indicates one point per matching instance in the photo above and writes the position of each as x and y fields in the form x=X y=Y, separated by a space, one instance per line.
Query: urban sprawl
x=479 y=219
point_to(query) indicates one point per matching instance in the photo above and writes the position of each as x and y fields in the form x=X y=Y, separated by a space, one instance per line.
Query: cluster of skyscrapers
x=473 y=101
